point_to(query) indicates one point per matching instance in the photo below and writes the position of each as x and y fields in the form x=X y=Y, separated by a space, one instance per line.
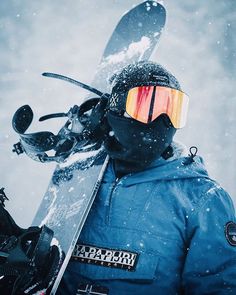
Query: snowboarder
x=159 y=224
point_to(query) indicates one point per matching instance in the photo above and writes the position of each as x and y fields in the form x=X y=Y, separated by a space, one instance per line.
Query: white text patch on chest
x=105 y=257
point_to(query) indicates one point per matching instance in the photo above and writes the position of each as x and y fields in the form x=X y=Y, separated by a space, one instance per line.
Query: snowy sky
x=68 y=37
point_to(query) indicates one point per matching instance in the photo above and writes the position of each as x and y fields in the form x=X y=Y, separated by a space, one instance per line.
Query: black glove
x=28 y=261
x=8 y=227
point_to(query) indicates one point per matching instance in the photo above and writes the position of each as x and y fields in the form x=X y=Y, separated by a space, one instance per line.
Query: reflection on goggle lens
x=146 y=103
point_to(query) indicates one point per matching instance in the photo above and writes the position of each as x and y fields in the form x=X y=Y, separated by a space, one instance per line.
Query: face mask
x=137 y=143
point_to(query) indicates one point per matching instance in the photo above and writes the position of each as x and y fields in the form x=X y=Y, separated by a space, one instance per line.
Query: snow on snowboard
x=75 y=182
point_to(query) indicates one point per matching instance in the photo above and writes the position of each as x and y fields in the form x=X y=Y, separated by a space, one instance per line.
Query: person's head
x=144 y=111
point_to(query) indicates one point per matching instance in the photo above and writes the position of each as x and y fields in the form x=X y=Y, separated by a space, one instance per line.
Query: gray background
x=68 y=37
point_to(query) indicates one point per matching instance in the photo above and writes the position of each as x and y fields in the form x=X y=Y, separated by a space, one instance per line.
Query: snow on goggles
x=146 y=103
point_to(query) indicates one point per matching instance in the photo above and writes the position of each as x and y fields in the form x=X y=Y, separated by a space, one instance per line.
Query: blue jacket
x=166 y=230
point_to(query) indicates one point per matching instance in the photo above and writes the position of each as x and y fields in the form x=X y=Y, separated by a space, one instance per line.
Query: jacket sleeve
x=210 y=266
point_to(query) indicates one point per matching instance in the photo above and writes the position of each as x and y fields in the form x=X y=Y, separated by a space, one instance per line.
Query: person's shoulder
x=203 y=190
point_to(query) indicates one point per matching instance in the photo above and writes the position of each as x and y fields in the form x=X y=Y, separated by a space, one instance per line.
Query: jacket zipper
x=109 y=200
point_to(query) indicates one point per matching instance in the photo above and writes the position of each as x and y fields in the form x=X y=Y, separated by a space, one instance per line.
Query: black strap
x=190 y=159
x=43 y=246
x=77 y=83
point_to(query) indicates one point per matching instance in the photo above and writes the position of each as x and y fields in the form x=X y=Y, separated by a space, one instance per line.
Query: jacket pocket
x=142 y=265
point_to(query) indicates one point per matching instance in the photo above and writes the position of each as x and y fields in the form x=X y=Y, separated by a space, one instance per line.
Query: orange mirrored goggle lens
x=146 y=103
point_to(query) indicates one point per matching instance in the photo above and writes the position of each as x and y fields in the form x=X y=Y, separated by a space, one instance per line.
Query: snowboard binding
x=83 y=131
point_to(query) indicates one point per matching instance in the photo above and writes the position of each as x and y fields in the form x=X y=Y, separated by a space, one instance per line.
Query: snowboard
x=75 y=183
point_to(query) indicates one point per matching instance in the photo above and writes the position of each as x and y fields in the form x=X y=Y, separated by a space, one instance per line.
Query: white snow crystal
x=111 y=133
x=156 y=34
x=80 y=179
x=70 y=189
x=55 y=242
x=212 y=190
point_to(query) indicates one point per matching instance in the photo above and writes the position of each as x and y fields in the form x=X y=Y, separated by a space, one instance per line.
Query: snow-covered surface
x=51 y=210
x=133 y=49
x=179 y=150
x=79 y=157
x=57 y=211
x=198 y=46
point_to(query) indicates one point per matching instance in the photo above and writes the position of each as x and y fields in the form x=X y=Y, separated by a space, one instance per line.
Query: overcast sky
x=68 y=37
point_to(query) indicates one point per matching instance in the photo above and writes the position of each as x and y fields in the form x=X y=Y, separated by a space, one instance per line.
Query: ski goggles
x=146 y=103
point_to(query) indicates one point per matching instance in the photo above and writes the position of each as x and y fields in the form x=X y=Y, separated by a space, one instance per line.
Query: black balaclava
x=134 y=145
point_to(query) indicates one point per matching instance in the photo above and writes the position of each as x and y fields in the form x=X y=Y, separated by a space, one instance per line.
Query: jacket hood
x=181 y=165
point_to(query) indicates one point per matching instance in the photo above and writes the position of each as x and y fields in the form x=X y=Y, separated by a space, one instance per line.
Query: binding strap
x=78 y=134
